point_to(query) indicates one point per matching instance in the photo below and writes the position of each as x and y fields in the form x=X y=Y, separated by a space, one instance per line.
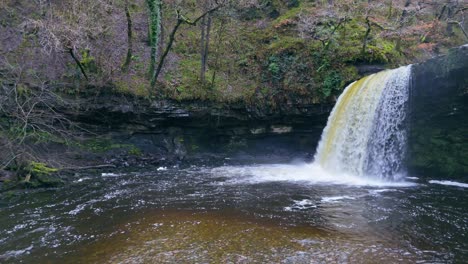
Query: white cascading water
x=362 y=144
x=366 y=133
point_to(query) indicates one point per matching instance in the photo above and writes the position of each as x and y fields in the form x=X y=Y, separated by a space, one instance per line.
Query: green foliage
x=331 y=82
x=253 y=48
x=331 y=75
x=274 y=68
x=277 y=67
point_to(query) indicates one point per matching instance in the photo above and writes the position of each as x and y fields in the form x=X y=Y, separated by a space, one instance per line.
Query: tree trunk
x=154 y=34
x=166 y=51
x=366 y=36
x=216 y=62
x=390 y=9
x=162 y=34
x=72 y=54
x=205 y=47
x=449 y=29
x=128 y=59
x=202 y=50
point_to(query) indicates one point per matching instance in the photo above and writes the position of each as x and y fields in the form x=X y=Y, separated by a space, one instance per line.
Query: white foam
x=377 y=192
x=301 y=205
x=114 y=194
x=110 y=174
x=82 y=179
x=450 y=183
x=161 y=169
x=333 y=199
x=15 y=253
x=81 y=207
x=78 y=209
x=303 y=173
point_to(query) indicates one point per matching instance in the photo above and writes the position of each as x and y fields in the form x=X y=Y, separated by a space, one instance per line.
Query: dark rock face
x=438 y=141
x=176 y=131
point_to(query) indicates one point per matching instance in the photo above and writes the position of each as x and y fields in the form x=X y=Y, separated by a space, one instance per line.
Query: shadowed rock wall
x=438 y=141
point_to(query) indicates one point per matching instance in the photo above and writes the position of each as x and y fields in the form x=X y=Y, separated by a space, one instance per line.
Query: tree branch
x=70 y=50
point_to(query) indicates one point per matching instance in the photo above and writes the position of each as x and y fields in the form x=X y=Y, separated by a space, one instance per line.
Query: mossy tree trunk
x=154 y=7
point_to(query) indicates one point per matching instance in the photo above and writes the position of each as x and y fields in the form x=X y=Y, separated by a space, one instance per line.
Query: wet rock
x=437 y=144
x=366 y=69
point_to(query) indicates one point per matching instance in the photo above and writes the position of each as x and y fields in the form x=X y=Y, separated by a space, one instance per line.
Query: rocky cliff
x=438 y=142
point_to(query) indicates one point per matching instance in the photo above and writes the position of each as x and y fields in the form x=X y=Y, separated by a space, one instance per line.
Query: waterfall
x=366 y=132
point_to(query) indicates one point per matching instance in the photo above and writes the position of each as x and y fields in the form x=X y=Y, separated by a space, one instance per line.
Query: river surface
x=236 y=214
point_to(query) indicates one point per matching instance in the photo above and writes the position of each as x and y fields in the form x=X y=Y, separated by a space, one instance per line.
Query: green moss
x=38 y=168
x=134 y=151
x=381 y=52
x=289 y=44
x=88 y=61
x=289 y=15
x=135 y=85
x=438 y=151
x=100 y=145
x=38 y=174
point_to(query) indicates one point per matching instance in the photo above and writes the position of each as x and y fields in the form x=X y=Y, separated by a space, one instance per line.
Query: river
x=235 y=214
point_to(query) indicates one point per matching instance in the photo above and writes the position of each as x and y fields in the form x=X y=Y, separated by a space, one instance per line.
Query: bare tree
x=70 y=27
x=180 y=20
x=28 y=116
x=205 y=38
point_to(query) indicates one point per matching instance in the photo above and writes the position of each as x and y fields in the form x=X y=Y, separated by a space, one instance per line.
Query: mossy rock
x=50 y=180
